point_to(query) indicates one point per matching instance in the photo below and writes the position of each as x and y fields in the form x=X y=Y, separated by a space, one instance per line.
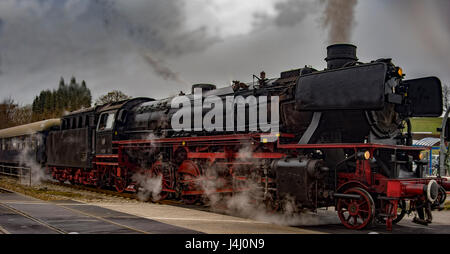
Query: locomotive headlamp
x=400 y=72
x=421 y=156
x=363 y=155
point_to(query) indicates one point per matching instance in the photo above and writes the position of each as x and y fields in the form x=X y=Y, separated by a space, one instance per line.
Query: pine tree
x=51 y=104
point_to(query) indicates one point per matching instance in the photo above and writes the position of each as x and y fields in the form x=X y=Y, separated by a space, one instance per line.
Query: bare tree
x=7 y=107
x=22 y=115
x=113 y=96
x=11 y=114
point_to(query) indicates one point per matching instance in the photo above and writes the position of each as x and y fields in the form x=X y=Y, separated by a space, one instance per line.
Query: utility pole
x=443 y=151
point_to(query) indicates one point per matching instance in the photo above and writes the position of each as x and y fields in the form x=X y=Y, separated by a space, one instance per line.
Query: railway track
x=18 y=174
x=111 y=193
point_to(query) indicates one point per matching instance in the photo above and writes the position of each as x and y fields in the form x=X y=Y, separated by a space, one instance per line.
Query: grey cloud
x=289 y=13
x=145 y=49
x=1 y=26
x=156 y=25
x=292 y=12
x=47 y=33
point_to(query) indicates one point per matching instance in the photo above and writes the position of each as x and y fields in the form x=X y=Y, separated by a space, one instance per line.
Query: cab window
x=106 y=122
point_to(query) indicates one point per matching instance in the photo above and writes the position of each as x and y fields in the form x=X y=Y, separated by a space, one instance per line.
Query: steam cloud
x=248 y=202
x=339 y=17
x=148 y=186
x=27 y=159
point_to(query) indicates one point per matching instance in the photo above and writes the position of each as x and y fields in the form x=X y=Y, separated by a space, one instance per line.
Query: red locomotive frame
x=359 y=197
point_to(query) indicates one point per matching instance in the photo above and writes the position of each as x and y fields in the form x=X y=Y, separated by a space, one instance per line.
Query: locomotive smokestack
x=338 y=55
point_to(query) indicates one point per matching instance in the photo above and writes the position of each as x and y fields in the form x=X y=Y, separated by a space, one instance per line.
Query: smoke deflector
x=424 y=97
x=358 y=87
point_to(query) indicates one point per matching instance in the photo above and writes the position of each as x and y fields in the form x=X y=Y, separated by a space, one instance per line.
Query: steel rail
x=43 y=223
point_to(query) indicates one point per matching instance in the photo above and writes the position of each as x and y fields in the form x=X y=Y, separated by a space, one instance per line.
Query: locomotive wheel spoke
x=349 y=217
x=361 y=217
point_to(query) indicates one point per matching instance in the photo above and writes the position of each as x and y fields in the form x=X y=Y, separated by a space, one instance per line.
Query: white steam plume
x=249 y=202
x=148 y=186
x=27 y=159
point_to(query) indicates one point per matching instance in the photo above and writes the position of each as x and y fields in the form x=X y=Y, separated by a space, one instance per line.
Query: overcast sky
x=156 y=48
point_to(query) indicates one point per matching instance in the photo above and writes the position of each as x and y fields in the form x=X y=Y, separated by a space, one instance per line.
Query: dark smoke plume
x=161 y=69
x=339 y=18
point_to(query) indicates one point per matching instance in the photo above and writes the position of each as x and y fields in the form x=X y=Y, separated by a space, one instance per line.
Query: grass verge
x=37 y=191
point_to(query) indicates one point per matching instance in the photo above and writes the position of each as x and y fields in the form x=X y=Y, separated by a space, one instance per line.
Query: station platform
x=20 y=214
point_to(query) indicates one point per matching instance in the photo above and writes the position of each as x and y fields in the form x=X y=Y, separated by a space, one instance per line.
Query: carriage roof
x=29 y=129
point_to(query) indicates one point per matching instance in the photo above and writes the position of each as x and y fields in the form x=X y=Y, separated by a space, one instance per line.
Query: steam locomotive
x=343 y=139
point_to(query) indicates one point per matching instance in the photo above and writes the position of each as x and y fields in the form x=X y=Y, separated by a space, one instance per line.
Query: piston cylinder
x=430 y=190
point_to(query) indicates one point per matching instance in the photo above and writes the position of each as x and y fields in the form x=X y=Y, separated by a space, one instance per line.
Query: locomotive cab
x=104 y=133
x=111 y=121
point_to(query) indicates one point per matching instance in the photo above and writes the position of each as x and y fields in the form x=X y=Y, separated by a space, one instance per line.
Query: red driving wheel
x=188 y=174
x=356 y=213
x=165 y=172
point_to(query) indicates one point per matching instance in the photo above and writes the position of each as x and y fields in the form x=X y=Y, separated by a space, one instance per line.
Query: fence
x=23 y=173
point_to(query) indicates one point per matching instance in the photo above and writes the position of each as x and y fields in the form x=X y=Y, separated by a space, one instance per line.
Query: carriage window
x=106 y=122
x=91 y=120
x=80 y=122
